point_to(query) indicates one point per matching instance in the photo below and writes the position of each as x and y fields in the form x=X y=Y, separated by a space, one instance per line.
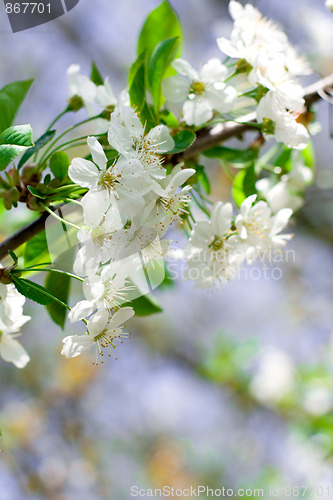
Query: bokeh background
x=231 y=387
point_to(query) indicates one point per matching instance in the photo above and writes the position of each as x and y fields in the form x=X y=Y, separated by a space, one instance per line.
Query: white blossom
x=102 y=332
x=199 y=94
x=214 y=253
x=125 y=179
x=289 y=191
x=280 y=123
x=260 y=229
x=127 y=135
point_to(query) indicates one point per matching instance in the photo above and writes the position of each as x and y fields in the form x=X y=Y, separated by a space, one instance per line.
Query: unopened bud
x=30 y=175
x=75 y=103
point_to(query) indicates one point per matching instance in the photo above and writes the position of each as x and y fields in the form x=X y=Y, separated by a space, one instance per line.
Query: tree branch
x=206 y=138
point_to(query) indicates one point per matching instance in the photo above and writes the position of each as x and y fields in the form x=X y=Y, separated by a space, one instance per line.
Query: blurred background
x=230 y=387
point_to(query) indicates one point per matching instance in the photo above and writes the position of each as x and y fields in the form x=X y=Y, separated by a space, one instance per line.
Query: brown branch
x=222 y=132
x=206 y=139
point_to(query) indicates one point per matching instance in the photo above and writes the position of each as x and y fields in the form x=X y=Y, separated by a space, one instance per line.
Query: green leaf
x=59 y=164
x=95 y=75
x=147 y=117
x=244 y=185
x=161 y=23
x=58 y=284
x=204 y=181
x=36 y=250
x=234 y=156
x=168 y=282
x=145 y=305
x=161 y=58
x=308 y=155
x=13 y=141
x=11 y=98
x=44 y=139
x=36 y=192
x=183 y=140
x=32 y=291
x=136 y=82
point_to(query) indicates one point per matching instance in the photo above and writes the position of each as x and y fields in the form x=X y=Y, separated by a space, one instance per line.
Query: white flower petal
x=81 y=310
x=121 y=316
x=84 y=173
x=74 y=345
x=12 y=351
x=175 y=89
x=197 y=111
x=97 y=152
x=97 y=323
x=184 y=68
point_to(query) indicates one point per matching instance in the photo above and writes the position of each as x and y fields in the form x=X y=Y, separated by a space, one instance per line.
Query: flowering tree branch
x=211 y=136
x=207 y=138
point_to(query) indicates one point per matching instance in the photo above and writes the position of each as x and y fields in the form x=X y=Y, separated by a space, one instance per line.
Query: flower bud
x=75 y=103
x=30 y=175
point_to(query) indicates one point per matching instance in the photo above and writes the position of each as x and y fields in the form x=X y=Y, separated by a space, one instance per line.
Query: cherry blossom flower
x=199 y=94
x=127 y=135
x=102 y=332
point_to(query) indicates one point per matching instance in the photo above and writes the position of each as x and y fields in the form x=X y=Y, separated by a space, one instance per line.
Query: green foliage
x=32 y=291
x=136 y=82
x=244 y=185
x=58 y=285
x=161 y=23
x=183 y=140
x=95 y=75
x=241 y=157
x=145 y=305
x=137 y=92
x=11 y=98
x=59 y=164
x=36 y=250
x=44 y=139
x=308 y=155
x=13 y=141
x=160 y=60
x=228 y=359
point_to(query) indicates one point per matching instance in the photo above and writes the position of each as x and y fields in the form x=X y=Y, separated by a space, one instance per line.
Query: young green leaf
x=161 y=23
x=183 y=140
x=145 y=305
x=11 y=98
x=59 y=164
x=160 y=60
x=95 y=75
x=58 y=284
x=36 y=250
x=244 y=185
x=234 y=156
x=44 y=139
x=32 y=291
x=13 y=141
x=136 y=82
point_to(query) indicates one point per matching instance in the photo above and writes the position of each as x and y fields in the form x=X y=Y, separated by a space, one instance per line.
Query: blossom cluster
x=218 y=247
x=263 y=78
x=129 y=205
x=135 y=190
